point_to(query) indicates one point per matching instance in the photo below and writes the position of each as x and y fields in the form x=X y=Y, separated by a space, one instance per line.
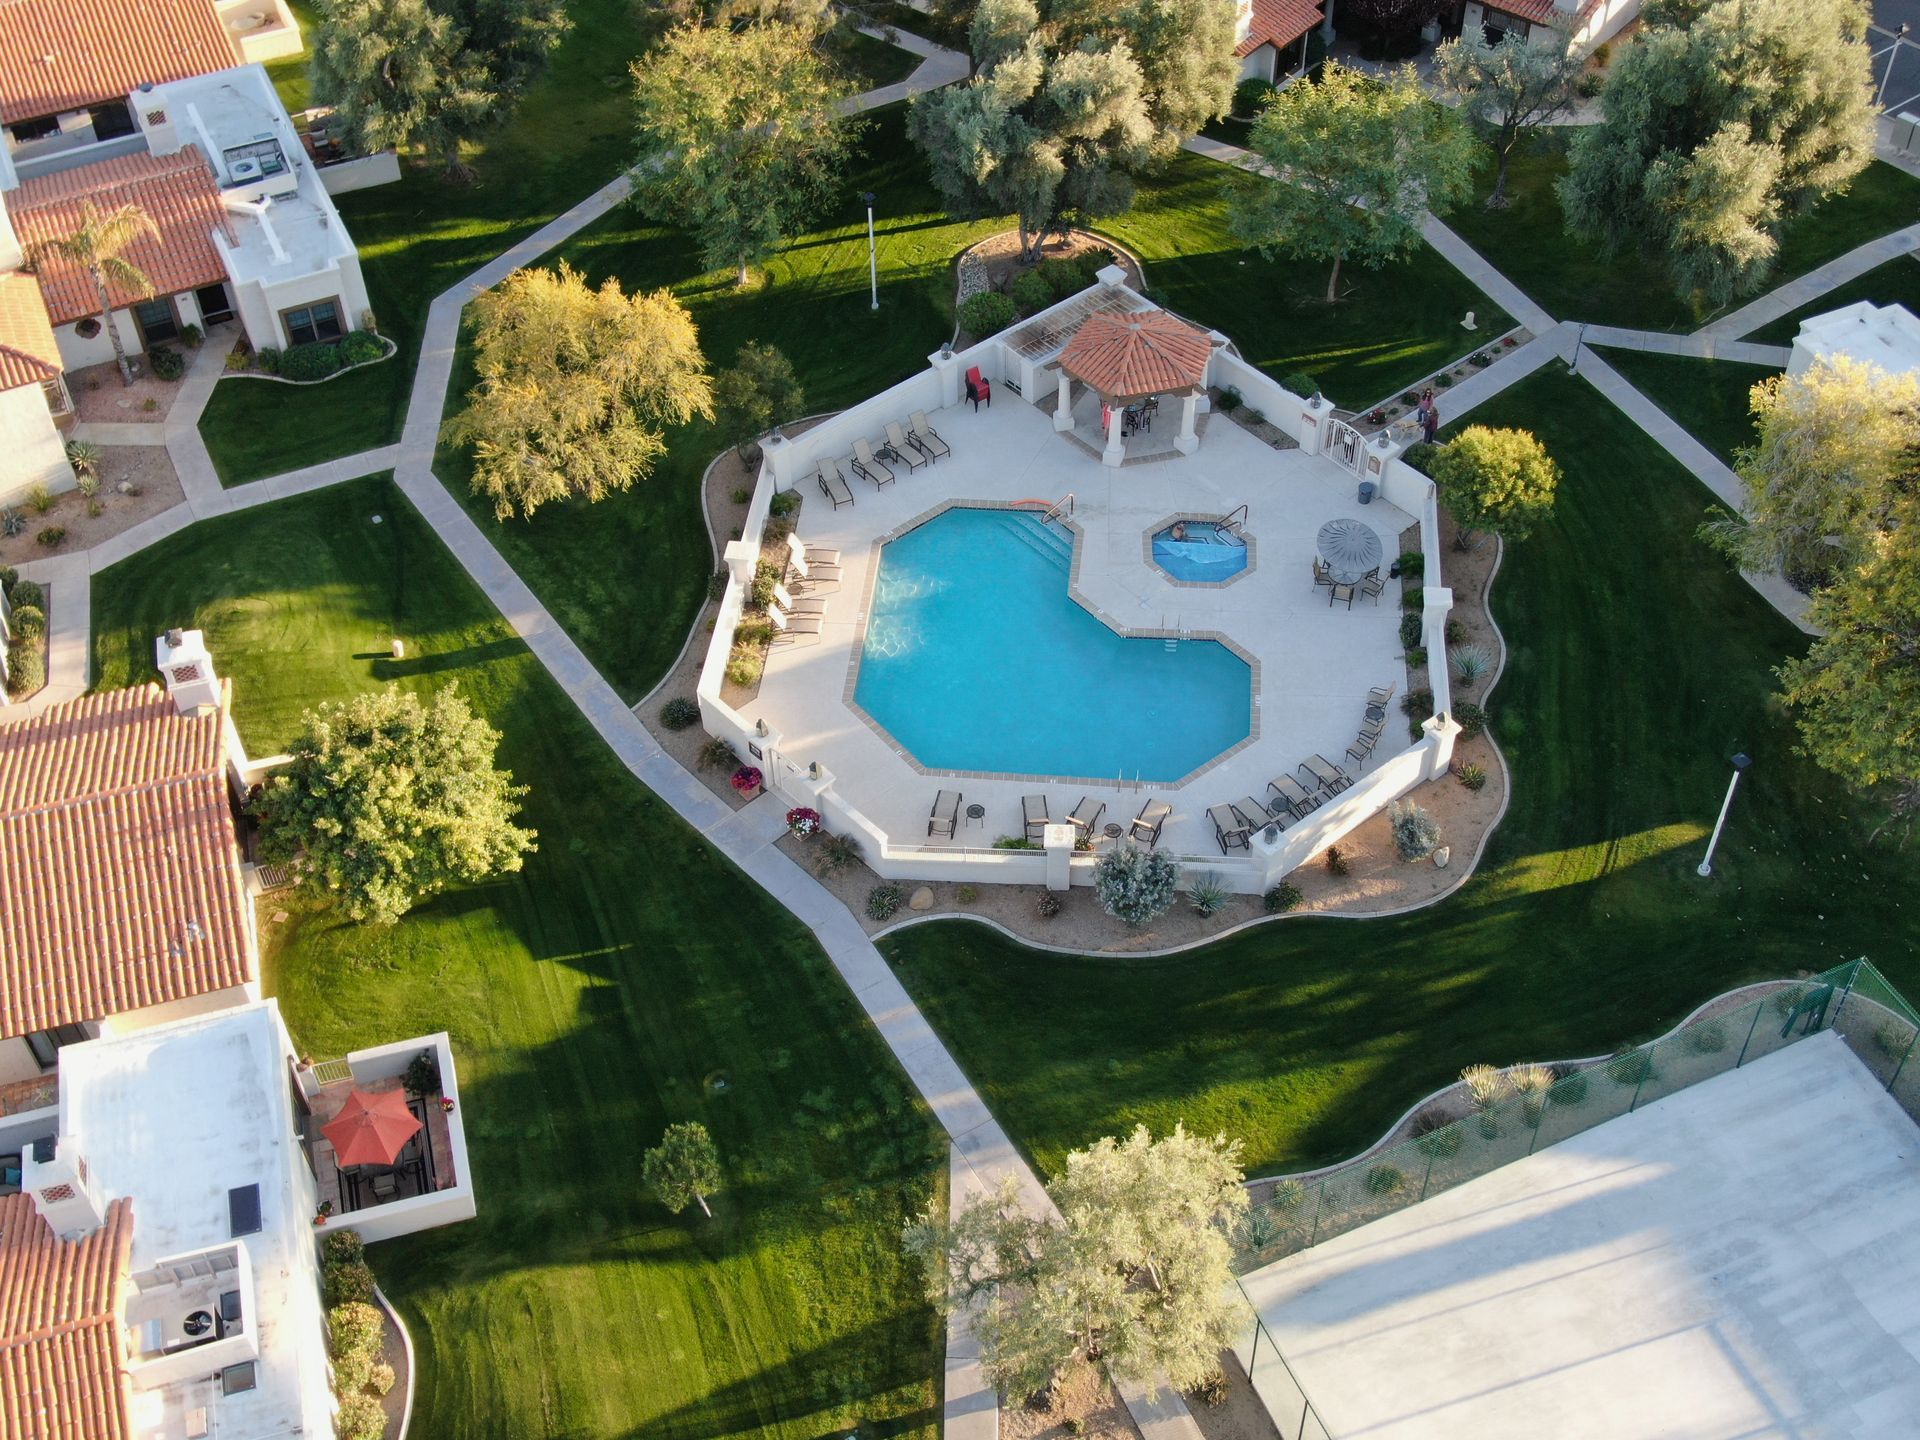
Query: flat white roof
x=175 y=1117
x=1883 y=335
x=1740 y=1259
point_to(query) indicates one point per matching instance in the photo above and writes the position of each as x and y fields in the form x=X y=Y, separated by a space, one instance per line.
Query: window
x=236 y=1378
x=158 y=322
x=243 y=1210
x=45 y=1044
x=36 y=129
x=318 y=321
x=111 y=120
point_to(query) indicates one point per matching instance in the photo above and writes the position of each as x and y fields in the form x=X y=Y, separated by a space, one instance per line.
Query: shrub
x=746 y=779
x=1417 y=705
x=359 y=347
x=836 y=852
x=1135 y=886
x=1255 y=417
x=1016 y=842
x=1252 y=95
x=1420 y=455
x=95 y=509
x=967 y=894
x=1064 y=277
x=29 y=622
x=1413 y=600
x=741 y=495
x=28 y=592
x=422 y=1077
x=1031 y=292
x=680 y=713
x=1708 y=1038
x=354 y=1329
x=1336 y=862
x=766 y=575
x=1212 y=1391
x=1301 y=383
x=1410 y=630
x=986 y=314
x=744 y=667
x=1385 y=1180
x=1444 y=381
x=1473 y=777
x=350 y=1283
x=87 y=483
x=166 y=364
x=238 y=358
x=311 y=362
x=39 y=498
x=1417 y=657
x=342 y=1247
x=381 y=1378
x=267 y=360
x=1455 y=631
x=883 y=900
x=360 y=1417
x=1472 y=718
x=9 y=577
x=1631 y=1067
x=782 y=504
x=1048 y=905
x=1589 y=85
x=1571 y=1089
x=1208 y=896
x=1471 y=663
x=192 y=336
x=716 y=753
x=1602 y=53
x=717 y=584
x=26 y=671
x=52 y=536
x=1282 y=898
x=1229 y=400
x=1416 y=834
x=1413 y=565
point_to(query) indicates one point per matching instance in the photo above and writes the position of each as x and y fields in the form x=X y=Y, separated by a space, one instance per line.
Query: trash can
x=1366 y=492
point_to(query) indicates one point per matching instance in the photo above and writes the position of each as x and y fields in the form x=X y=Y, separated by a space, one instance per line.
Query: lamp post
x=1740 y=764
x=873 y=257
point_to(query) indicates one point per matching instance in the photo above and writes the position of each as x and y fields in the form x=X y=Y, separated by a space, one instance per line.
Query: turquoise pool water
x=1203 y=555
x=976 y=658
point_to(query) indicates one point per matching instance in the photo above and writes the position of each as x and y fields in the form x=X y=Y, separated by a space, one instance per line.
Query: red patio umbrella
x=371 y=1128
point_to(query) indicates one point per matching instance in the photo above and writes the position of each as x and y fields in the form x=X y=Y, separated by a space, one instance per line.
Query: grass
x=289 y=75
x=873 y=62
x=591 y=999
x=256 y=428
x=1707 y=397
x=1639 y=664
x=1895 y=283
x=1572 y=280
x=1392 y=327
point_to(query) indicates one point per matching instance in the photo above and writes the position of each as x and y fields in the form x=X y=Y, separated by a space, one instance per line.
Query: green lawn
x=1394 y=325
x=873 y=62
x=289 y=75
x=594 y=997
x=1708 y=397
x=1895 y=283
x=1640 y=663
x=255 y=428
x=1528 y=243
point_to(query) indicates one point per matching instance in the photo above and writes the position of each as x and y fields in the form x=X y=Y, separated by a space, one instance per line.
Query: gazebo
x=1126 y=359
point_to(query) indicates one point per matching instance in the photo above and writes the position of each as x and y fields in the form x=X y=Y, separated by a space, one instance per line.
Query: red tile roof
x=119 y=861
x=62 y=1371
x=177 y=192
x=1278 y=23
x=69 y=54
x=1543 y=12
x=1146 y=353
x=27 y=352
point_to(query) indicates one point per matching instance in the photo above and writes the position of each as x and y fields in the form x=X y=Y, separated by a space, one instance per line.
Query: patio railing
x=331 y=1072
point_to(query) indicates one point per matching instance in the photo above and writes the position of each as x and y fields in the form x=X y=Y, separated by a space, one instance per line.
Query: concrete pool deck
x=1315 y=663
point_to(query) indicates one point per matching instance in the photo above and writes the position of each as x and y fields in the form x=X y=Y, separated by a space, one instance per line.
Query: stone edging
x=393 y=349
x=406 y=1344
x=960 y=262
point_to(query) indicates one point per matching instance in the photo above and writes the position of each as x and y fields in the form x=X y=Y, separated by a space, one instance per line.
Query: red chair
x=979 y=388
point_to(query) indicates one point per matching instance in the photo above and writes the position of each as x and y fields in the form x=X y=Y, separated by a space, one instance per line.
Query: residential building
x=1271 y=37
x=33 y=388
x=1589 y=22
x=1887 y=336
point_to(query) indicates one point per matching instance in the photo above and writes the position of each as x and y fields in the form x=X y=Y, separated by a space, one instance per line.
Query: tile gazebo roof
x=62 y=1375
x=177 y=192
x=28 y=355
x=69 y=54
x=1280 y=22
x=1124 y=357
x=118 y=860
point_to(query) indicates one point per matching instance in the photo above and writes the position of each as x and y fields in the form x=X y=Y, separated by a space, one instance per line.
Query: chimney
x=55 y=1174
x=187 y=669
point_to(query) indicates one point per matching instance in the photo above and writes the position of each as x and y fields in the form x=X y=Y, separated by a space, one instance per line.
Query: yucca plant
x=1531 y=1083
x=1471 y=664
x=1486 y=1086
x=98 y=247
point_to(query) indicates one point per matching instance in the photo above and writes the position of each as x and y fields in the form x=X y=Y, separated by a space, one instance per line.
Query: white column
x=1188 y=441
x=1058 y=840
x=952 y=372
x=1063 y=412
x=1116 y=450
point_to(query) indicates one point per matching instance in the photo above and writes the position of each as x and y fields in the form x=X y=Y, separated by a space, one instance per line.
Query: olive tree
x=1508 y=89
x=684 y=1168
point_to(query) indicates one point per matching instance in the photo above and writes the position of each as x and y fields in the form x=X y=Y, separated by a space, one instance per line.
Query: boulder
x=921 y=899
x=1442 y=856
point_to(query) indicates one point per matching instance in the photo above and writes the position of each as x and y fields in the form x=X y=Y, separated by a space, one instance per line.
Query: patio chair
x=791 y=627
x=926 y=436
x=1299 y=801
x=833 y=485
x=809 y=605
x=1321 y=574
x=902 y=448
x=945 y=814
x=1086 y=815
x=868 y=468
x=1362 y=747
x=1372 y=586
x=1339 y=591
x=979 y=388
x=1325 y=774
x=1257 y=816
x=1033 y=816
x=1228 y=828
x=1146 y=825
x=1380 y=694
x=385 y=1185
x=810 y=554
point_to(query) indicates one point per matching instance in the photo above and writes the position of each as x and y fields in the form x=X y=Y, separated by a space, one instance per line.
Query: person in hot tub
x=1179 y=529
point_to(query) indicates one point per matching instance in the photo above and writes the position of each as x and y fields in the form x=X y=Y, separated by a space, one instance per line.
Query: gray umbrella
x=1350 y=548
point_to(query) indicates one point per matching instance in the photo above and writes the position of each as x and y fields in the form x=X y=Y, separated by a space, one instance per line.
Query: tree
x=1042 y=132
x=1134 y=1271
x=576 y=386
x=429 y=73
x=1184 y=49
x=385 y=800
x=758 y=394
x=1836 y=448
x=1502 y=481
x=1508 y=89
x=1353 y=164
x=1856 y=692
x=684 y=1168
x=99 y=247
x=1721 y=123
x=740 y=137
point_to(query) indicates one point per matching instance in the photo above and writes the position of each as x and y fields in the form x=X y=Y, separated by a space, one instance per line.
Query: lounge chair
x=902 y=449
x=926 y=437
x=833 y=484
x=1033 y=816
x=1087 y=814
x=810 y=573
x=1228 y=828
x=1146 y=825
x=1380 y=694
x=945 y=814
x=810 y=554
x=791 y=627
x=868 y=468
x=1327 y=775
x=810 y=605
x=1293 y=795
x=979 y=387
x=1257 y=816
x=1339 y=591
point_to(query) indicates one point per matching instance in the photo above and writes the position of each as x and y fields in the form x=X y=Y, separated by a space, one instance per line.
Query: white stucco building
x=1589 y=22
x=1270 y=36
x=1884 y=335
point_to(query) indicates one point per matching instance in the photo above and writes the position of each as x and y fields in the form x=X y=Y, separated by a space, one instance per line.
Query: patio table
x=1350 y=547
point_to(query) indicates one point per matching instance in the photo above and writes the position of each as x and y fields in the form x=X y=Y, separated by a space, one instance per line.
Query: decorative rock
x=921 y=899
x=1442 y=856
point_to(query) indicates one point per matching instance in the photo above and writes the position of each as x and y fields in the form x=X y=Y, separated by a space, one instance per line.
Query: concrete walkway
x=1789 y=297
x=1700 y=345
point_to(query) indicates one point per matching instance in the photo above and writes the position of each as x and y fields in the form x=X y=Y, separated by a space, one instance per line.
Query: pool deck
x=1314 y=663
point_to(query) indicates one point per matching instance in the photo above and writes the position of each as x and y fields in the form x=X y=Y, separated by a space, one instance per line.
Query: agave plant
x=1471 y=664
x=1486 y=1086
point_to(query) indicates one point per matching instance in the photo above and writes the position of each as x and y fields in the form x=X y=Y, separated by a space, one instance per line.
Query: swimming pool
x=976 y=658
x=1202 y=554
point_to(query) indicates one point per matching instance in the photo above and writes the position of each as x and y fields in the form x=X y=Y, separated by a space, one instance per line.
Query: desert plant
x=1709 y=1037
x=1287 y=1195
x=29 y=622
x=84 y=456
x=1282 y=898
x=1410 y=629
x=52 y=536
x=1417 y=705
x=1455 y=631
x=1335 y=861
x=967 y=894
x=1571 y=1089
x=1229 y=400
x=239 y=358
x=680 y=713
x=883 y=900
x=1631 y=1067
x=87 y=483
x=836 y=852
x=1135 y=886
x=1385 y=1180
x=1472 y=718
x=1253 y=416
x=1416 y=834
x=1048 y=905
x=39 y=498
x=1471 y=664
x=1031 y=292
x=1208 y=895
x=166 y=364
x=986 y=314
x=716 y=753
x=1436 y=1133
x=1531 y=1083
x=1474 y=777
x=740 y=495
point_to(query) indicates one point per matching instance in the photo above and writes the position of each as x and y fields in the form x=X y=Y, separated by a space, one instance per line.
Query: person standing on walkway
x=1429 y=422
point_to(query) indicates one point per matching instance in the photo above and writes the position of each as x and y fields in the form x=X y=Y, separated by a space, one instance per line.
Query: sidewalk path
x=1700 y=345
x=1811 y=286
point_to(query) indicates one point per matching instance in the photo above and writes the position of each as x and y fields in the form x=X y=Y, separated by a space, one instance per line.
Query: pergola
x=1125 y=358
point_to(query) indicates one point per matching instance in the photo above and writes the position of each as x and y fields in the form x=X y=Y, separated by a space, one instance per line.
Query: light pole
x=1740 y=764
x=873 y=256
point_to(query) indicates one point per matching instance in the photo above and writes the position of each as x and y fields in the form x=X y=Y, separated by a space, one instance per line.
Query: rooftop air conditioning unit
x=244 y=172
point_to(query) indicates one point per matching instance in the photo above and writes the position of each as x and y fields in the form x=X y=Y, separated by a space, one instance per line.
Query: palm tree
x=96 y=247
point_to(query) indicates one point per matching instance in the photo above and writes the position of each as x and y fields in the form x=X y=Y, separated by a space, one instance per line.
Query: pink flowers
x=446 y=1105
x=804 y=821
x=746 y=779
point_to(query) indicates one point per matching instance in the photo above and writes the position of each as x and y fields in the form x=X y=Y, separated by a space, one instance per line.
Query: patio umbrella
x=1350 y=548
x=371 y=1128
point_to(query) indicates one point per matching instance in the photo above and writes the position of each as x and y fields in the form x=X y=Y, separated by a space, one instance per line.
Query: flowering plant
x=746 y=779
x=446 y=1105
x=1376 y=417
x=804 y=820
x=1508 y=343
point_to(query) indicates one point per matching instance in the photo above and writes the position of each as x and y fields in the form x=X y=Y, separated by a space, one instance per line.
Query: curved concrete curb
x=393 y=349
x=406 y=1343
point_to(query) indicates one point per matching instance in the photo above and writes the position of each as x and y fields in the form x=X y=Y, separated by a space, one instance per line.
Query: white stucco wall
x=16 y=1061
x=32 y=451
x=77 y=351
x=260 y=305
